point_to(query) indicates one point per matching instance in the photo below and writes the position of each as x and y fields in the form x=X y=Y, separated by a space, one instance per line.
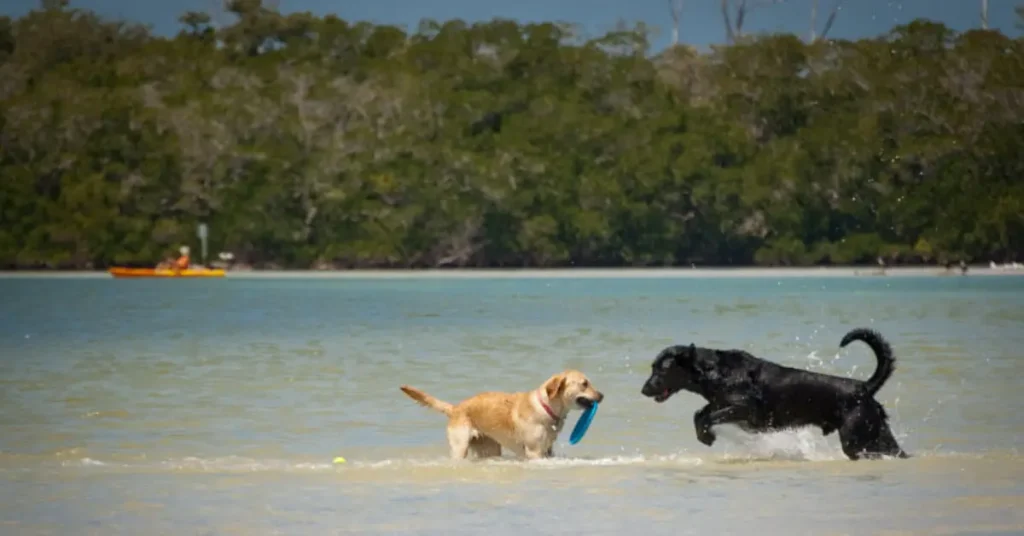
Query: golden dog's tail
x=427 y=400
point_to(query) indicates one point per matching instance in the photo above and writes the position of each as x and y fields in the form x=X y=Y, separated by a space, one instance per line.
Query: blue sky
x=701 y=25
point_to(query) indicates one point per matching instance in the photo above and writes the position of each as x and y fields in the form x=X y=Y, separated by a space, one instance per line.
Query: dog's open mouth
x=584 y=403
x=663 y=396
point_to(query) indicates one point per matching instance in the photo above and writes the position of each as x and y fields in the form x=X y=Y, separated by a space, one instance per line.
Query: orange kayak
x=119 y=272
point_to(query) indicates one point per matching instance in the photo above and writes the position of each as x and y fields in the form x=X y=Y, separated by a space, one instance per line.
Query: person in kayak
x=181 y=263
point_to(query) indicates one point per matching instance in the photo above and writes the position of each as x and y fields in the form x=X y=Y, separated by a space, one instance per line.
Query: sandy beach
x=576 y=273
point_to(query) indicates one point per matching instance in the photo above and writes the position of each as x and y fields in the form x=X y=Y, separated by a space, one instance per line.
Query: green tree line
x=308 y=141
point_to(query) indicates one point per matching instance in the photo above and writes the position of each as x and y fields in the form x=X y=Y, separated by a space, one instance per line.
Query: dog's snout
x=600 y=397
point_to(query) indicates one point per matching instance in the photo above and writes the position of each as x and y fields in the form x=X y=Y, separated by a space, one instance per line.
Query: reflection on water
x=174 y=407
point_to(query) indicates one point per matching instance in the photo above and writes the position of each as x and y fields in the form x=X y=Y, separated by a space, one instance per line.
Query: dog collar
x=551 y=413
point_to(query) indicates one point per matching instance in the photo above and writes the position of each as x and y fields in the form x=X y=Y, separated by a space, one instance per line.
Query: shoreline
x=563 y=273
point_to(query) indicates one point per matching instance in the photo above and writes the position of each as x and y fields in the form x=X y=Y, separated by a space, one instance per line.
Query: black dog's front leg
x=709 y=416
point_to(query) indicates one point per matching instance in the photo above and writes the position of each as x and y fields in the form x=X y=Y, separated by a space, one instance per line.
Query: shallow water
x=216 y=407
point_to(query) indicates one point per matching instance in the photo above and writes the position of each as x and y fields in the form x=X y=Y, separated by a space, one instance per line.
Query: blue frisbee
x=581 y=425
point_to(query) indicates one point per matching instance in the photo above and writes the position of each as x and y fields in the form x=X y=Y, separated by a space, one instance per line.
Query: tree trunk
x=676 y=8
x=814 y=21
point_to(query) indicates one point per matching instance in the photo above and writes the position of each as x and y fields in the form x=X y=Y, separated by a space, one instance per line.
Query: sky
x=701 y=23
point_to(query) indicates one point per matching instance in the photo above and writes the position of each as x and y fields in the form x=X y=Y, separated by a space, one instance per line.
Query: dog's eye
x=585 y=384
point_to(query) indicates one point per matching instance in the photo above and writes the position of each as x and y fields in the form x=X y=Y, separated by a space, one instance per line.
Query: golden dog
x=525 y=423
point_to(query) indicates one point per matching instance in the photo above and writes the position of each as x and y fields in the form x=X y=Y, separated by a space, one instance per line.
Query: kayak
x=163 y=272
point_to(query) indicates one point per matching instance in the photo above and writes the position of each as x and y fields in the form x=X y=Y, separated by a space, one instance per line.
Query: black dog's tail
x=883 y=352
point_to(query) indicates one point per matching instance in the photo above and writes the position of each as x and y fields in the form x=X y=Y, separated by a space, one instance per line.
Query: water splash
x=805 y=444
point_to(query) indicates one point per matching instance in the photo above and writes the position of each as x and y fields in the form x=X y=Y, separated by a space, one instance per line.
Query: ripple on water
x=239 y=407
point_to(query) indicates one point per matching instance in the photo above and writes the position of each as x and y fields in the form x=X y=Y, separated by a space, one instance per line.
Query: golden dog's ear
x=554 y=386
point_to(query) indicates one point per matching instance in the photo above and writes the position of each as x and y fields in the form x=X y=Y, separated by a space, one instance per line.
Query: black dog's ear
x=684 y=354
x=705 y=366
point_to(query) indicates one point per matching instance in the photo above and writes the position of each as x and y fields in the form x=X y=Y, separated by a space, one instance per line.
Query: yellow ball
x=339 y=459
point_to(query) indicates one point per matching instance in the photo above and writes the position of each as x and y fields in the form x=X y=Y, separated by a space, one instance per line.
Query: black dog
x=761 y=396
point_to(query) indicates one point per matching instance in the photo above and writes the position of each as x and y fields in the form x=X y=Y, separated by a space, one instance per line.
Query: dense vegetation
x=307 y=141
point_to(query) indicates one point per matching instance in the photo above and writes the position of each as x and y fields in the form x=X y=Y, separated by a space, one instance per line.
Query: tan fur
x=487 y=422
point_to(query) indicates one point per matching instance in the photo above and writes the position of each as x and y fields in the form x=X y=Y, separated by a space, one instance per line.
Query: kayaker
x=183 y=261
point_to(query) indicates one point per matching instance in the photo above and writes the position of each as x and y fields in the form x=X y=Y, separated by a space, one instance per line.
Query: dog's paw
x=703 y=427
x=706 y=436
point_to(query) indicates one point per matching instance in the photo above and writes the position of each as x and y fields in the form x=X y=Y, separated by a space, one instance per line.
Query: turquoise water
x=216 y=406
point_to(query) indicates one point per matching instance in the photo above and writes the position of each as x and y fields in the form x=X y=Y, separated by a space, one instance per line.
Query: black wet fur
x=761 y=396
